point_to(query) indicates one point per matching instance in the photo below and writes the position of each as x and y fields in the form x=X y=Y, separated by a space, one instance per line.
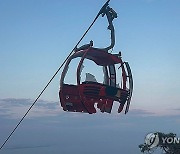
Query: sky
x=35 y=38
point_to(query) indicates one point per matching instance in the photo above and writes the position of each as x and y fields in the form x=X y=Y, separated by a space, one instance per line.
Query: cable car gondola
x=82 y=96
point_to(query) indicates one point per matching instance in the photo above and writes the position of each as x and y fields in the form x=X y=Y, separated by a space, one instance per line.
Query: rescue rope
x=100 y=12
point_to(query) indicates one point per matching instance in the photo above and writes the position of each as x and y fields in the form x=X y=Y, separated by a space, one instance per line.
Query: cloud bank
x=15 y=108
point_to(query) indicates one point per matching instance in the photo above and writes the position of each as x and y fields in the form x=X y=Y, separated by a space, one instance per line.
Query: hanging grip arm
x=110 y=14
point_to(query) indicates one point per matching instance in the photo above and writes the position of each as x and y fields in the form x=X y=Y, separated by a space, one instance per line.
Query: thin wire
x=49 y=81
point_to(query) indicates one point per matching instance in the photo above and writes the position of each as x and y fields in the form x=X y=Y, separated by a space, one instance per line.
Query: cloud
x=28 y=147
x=172 y=112
x=141 y=112
x=15 y=108
x=177 y=109
x=149 y=1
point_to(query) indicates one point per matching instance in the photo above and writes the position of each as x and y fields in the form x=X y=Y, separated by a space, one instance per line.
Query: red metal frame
x=83 y=96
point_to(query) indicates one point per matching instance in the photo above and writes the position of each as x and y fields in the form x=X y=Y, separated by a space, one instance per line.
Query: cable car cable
x=99 y=13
